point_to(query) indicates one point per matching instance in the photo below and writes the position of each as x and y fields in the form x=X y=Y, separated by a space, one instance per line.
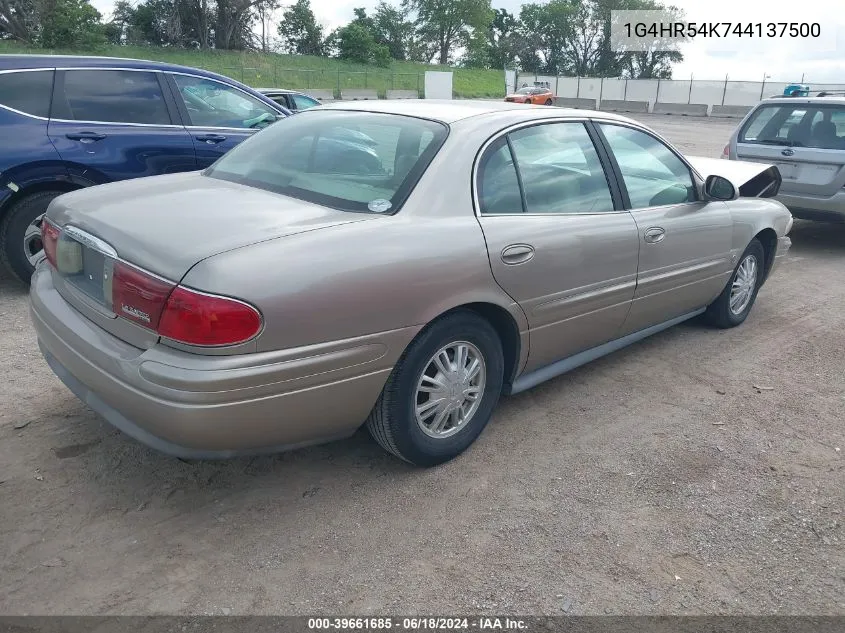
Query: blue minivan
x=72 y=122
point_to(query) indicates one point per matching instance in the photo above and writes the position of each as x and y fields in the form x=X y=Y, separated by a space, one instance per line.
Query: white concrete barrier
x=615 y=105
x=730 y=111
x=403 y=94
x=683 y=109
x=358 y=95
x=574 y=102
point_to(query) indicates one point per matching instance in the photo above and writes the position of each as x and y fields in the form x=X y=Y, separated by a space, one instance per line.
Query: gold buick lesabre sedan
x=395 y=264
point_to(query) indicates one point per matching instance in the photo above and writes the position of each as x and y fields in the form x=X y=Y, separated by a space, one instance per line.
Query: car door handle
x=211 y=139
x=654 y=235
x=85 y=137
x=517 y=254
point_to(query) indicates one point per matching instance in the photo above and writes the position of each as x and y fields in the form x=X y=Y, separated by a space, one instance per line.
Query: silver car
x=805 y=138
x=395 y=264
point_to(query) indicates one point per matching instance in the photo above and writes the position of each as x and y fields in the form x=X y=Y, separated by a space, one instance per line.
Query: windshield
x=821 y=126
x=525 y=91
x=352 y=161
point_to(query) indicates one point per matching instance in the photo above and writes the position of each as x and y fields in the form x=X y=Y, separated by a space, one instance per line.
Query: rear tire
x=732 y=307
x=20 y=243
x=548 y=102
x=396 y=422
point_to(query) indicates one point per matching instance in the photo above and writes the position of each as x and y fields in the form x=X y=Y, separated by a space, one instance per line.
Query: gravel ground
x=657 y=480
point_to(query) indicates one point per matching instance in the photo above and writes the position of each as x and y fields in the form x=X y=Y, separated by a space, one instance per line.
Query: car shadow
x=814 y=238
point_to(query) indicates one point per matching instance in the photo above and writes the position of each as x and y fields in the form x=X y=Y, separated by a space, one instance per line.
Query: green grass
x=301 y=72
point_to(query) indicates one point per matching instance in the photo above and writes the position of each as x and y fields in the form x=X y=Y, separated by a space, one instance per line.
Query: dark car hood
x=166 y=224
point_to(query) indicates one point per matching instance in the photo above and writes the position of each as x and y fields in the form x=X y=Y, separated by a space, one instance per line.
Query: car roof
x=450 y=111
x=279 y=91
x=24 y=62
x=781 y=100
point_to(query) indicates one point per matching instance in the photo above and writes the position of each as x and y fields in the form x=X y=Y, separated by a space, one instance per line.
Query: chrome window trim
x=156 y=125
x=26 y=114
x=25 y=70
x=476 y=201
x=91 y=241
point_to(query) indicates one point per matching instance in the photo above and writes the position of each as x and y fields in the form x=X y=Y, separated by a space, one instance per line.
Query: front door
x=685 y=243
x=218 y=116
x=559 y=244
x=116 y=124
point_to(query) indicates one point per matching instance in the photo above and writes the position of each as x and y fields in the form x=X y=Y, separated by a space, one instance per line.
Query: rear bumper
x=808 y=207
x=205 y=407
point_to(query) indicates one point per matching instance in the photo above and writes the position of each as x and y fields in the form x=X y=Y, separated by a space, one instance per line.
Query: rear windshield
x=821 y=126
x=352 y=161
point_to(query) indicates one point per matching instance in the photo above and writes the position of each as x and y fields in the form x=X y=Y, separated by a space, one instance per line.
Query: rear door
x=218 y=116
x=805 y=139
x=114 y=124
x=558 y=239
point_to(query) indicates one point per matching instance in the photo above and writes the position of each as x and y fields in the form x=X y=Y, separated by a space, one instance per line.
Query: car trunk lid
x=123 y=247
x=752 y=180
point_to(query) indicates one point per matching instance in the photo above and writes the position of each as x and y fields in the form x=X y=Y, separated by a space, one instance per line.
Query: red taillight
x=726 y=152
x=138 y=296
x=50 y=239
x=196 y=318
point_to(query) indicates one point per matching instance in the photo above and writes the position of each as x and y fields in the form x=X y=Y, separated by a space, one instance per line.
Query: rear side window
x=498 y=185
x=111 y=96
x=820 y=126
x=351 y=161
x=28 y=92
x=303 y=103
x=559 y=172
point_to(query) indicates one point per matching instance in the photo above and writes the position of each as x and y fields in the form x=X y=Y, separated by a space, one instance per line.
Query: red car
x=538 y=96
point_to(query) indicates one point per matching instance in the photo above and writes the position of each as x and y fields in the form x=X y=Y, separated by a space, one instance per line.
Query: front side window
x=653 y=173
x=111 y=96
x=352 y=161
x=819 y=126
x=560 y=169
x=212 y=104
x=28 y=92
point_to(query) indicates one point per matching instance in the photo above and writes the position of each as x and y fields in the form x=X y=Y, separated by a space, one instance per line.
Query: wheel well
x=769 y=239
x=54 y=185
x=508 y=332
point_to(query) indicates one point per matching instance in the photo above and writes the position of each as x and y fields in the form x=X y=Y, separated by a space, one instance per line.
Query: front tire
x=442 y=391
x=732 y=307
x=20 y=233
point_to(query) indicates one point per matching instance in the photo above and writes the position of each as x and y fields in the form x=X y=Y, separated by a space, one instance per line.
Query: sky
x=820 y=60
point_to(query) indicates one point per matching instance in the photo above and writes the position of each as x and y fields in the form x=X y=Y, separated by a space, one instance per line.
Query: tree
x=356 y=43
x=18 y=20
x=546 y=32
x=444 y=25
x=70 y=24
x=264 y=12
x=496 y=46
x=299 y=30
x=393 y=29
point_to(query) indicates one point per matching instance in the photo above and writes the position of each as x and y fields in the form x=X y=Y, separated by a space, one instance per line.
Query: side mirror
x=719 y=188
